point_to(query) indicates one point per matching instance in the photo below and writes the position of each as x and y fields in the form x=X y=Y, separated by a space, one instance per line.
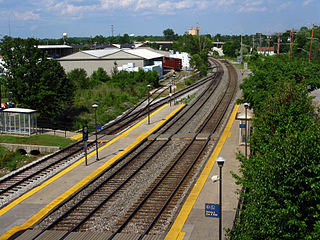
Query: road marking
x=175 y=231
x=35 y=218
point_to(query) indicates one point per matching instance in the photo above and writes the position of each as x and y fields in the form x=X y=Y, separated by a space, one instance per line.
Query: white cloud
x=252 y=9
x=307 y=2
x=116 y=3
x=72 y=9
x=26 y=15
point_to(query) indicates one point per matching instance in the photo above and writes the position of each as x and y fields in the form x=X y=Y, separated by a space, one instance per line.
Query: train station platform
x=191 y=223
x=25 y=211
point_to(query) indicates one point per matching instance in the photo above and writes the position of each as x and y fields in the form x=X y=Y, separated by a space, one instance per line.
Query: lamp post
x=246 y=105
x=95 y=106
x=174 y=88
x=220 y=161
x=149 y=86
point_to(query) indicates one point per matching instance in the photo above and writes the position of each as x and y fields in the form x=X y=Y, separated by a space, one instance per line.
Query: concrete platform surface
x=29 y=208
x=191 y=223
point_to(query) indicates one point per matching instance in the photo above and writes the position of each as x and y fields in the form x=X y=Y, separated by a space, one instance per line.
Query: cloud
x=73 y=9
x=252 y=9
x=26 y=15
x=307 y=2
x=107 y=4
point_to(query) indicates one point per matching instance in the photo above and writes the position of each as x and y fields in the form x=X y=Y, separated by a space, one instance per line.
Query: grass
x=44 y=139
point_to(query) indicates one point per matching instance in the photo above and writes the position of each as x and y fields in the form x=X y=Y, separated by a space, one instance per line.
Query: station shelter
x=18 y=121
x=245 y=125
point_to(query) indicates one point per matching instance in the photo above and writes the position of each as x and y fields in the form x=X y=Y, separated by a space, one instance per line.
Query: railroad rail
x=15 y=184
x=158 y=194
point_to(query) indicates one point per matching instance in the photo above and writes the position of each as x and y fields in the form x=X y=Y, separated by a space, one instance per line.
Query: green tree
x=80 y=78
x=231 y=48
x=34 y=80
x=100 y=75
x=170 y=35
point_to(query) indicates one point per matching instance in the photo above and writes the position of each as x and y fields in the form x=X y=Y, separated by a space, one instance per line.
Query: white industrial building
x=185 y=57
x=91 y=60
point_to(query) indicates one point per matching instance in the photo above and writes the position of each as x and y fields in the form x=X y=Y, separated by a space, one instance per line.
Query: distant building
x=266 y=50
x=56 y=51
x=195 y=31
x=185 y=58
x=91 y=60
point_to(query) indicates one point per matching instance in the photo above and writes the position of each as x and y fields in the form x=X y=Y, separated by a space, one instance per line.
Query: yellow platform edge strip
x=175 y=231
x=34 y=190
x=69 y=192
x=76 y=137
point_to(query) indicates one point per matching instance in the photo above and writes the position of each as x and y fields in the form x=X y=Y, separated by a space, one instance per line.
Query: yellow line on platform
x=35 y=218
x=175 y=231
x=76 y=137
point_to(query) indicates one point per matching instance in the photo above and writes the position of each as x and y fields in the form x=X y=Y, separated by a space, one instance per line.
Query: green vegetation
x=113 y=94
x=188 y=99
x=281 y=177
x=198 y=47
x=11 y=160
x=43 y=139
x=33 y=80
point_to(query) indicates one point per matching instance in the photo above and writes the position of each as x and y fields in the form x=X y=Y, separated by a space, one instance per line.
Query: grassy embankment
x=11 y=160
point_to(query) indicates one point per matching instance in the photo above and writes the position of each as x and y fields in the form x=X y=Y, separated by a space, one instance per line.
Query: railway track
x=15 y=184
x=151 y=188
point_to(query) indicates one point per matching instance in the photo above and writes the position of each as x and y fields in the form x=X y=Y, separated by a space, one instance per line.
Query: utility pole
x=291 y=38
x=112 y=30
x=311 y=42
x=260 y=40
x=268 y=40
x=278 y=49
x=253 y=42
x=241 y=51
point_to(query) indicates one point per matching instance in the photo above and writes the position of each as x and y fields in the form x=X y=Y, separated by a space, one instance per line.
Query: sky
x=84 y=18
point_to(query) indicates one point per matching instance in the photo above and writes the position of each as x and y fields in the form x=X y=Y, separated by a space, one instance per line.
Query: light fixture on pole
x=246 y=105
x=220 y=161
x=149 y=87
x=95 y=106
x=174 y=87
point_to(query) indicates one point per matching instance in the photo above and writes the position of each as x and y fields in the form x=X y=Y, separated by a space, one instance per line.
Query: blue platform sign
x=211 y=210
x=242 y=125
x=99 y=127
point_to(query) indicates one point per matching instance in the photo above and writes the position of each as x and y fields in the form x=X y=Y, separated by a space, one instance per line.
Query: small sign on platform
x=211 y=210
x=99 y=127
x=242 y=125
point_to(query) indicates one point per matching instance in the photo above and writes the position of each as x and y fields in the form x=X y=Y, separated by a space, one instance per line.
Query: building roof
x=53 y=46
x=164 y=53
x=144 y=53
x=265 y=49
x=19 y=110
x=102 y=52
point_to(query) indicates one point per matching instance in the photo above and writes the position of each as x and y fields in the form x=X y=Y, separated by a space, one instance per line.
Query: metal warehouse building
x=91 y=60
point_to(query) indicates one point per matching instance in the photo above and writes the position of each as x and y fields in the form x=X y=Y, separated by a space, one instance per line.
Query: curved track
x=15 y=184
x=157 y=194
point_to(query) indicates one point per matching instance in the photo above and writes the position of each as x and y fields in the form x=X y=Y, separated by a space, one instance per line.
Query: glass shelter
x=18 y=121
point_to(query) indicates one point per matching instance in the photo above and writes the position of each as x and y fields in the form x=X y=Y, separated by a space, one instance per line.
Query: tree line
x=37 y=82
x=281 y=177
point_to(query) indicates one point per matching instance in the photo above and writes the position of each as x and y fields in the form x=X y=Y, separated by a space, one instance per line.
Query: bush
x=10 y=159
x=281 y=177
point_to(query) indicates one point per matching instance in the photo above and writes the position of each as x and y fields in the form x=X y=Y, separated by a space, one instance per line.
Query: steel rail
x=100 y=185
x=166 y=174
x=196 y=159
x=49 y=227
